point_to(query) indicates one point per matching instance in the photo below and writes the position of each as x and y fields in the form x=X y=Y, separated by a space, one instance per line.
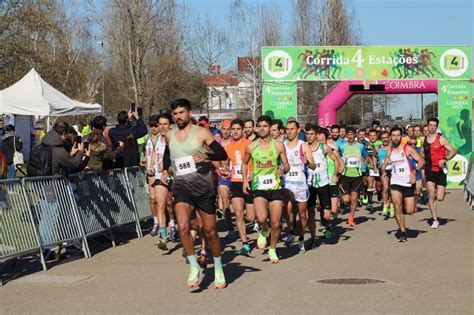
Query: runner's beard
x=182 y=124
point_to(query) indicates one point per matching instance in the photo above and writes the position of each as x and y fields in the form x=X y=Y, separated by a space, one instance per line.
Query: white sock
x=155 y=220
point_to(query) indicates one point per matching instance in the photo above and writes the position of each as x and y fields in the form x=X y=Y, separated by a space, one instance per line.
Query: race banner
x=335 y=63
x=279 y=100
x=455 y=122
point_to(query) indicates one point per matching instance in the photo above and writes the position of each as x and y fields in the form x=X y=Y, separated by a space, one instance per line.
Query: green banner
x=326 y=63
x=279 y=100
x=455 y=122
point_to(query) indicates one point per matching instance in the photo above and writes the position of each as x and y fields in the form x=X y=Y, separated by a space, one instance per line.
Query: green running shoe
x=262 y=239
x=385 y=210
x=365 y=200
x=328 y=234
x=194 y=277
x=219 y=279
x=392 y=210
x=273 y=256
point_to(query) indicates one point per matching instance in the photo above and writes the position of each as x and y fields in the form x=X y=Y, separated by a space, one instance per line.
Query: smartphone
x=140 y=111
x=133 y=107
x=78 y=139
x=86 y=145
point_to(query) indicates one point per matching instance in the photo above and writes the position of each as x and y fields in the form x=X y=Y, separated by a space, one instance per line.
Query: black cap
x=153 y=120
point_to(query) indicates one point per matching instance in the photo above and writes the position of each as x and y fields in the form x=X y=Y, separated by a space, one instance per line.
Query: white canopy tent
x=34 y=96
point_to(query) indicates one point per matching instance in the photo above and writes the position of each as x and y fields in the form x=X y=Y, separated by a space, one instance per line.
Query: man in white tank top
x=154 y=150
x=296 y=189
x=403 y=178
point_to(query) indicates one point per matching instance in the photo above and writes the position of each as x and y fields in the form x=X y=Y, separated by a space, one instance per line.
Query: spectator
x=129 y=156
x=127 y=124
x=11 y=143
x=62 y=159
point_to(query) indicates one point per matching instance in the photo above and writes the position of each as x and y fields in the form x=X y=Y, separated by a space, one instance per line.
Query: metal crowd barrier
x=52 y=205
x=42 y=212
x=18 y=234
x=469 y=184
x=114 y=188
x=138 y=192
x=91 y=203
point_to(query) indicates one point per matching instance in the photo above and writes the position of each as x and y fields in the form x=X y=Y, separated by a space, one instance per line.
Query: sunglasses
x=153 y=126
x=412 y=144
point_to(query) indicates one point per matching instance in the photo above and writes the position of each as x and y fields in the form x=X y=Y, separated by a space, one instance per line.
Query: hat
x=153 y=120
x=291 y=119
x=203 y=124
x=226 y=124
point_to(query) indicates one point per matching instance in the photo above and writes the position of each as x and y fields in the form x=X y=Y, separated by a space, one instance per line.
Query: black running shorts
x=207 y=204
x=350 y=184
x=439 y=178
x=324 y=197
x=406 y=192
x=236 y=192
x=270 y=195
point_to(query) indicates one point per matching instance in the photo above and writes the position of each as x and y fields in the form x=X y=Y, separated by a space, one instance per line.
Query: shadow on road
x=410 y=233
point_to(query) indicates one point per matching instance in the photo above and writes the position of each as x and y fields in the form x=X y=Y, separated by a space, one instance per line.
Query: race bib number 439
x=185 y=165
x=266 y=182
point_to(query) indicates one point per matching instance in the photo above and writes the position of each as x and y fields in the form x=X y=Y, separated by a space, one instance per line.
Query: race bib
x=184 y=165
x=372 y=173
x=266 y=182
x=353 y=161
x=400 y=170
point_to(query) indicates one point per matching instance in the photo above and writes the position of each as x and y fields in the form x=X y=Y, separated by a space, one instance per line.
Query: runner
x=192 y=187
x=296 y=191
x=266 y=153
x=249 y=132
x=319 y=181
x=223 y=184
x=419 y=183
x=372 y=167
x=363 y=195
x=383 y=182
x=342 y=132
x=437 y=151
x=402 y=178
x=352 y=153
x=235 y=152
x=155 y=149
x=276 y=130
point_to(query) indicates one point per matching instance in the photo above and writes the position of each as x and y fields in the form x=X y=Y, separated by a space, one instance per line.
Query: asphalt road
x=431 y=273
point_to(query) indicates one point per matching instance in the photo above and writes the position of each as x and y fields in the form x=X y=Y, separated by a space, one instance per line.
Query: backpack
x=40 y=162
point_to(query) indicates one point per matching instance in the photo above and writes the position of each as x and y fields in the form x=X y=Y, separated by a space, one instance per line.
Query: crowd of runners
x=263 y=173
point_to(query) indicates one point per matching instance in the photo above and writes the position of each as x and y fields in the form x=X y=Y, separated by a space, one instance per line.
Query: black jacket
x=8 y=147
x=137 y=129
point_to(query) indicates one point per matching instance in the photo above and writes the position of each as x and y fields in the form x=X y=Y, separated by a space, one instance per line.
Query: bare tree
x=255 y=27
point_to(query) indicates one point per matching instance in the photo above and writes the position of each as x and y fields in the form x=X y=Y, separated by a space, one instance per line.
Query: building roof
x=244 y=62
x=217 y=80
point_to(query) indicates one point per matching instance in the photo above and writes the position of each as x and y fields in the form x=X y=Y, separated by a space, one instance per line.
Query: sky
x=384 y=22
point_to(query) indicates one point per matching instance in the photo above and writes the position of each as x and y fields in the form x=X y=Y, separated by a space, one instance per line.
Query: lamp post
x=103 y=81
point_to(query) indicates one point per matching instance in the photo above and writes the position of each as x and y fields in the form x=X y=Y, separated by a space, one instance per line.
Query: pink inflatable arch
x=340 y=94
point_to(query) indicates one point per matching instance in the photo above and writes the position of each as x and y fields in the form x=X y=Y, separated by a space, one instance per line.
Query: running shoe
x=202 y=261
x=301 y=248
x=350 y=221
x=272 y=256
x=194 y=277
x=219 y=213
x=219 y=279
x=328 y=234
x=154 y=230
x=262 y=240
x=365 y=200
x=162 y=244
x=172 y=235
x=256 y=228
x=335 y=215
x=312 y=244
x=245 y=250
x=435 y=224
x=289 y=240
x=385 y=211
x=403 y=237
x=392 y=210
x=230 y=235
